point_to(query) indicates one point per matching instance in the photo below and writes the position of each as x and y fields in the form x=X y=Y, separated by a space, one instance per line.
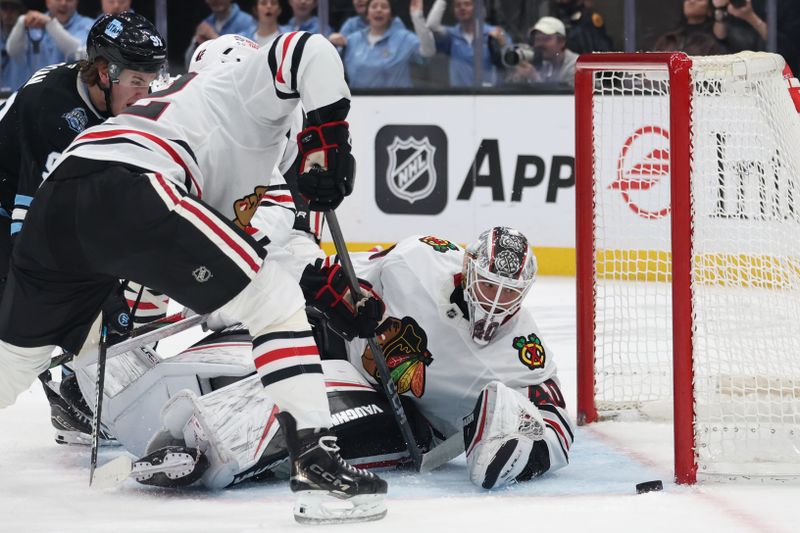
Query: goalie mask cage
x=688 y=255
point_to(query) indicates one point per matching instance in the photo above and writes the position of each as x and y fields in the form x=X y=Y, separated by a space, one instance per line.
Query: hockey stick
x=98 y=397
x=147 y=334
x=389 y=387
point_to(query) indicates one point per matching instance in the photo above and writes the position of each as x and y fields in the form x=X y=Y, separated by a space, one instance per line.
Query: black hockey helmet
x=126 y=40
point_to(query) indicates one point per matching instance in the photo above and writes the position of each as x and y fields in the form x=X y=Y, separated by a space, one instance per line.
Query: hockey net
x=688 y=243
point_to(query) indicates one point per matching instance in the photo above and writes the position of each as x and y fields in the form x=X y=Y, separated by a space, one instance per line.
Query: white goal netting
x=745 y=242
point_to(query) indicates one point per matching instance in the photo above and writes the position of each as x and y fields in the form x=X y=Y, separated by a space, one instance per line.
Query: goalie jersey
x=428 y=348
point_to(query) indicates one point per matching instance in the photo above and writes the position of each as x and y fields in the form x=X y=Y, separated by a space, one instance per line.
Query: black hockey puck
x=649 y=486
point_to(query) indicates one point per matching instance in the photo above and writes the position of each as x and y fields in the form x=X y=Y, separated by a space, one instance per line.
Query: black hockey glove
x=327 y=290
x=327 y=168
x=117 y=314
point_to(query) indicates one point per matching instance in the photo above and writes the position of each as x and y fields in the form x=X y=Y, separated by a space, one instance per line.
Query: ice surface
x=44 y=486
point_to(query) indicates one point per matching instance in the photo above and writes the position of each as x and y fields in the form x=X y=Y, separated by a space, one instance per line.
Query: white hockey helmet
x=230 y=48
x=499 y=270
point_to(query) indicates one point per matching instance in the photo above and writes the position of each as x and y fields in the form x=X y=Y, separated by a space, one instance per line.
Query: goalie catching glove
x=327 y=168
x=327 y=290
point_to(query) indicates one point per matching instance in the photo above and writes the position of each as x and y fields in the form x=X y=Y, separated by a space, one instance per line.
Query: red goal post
x=687 y=203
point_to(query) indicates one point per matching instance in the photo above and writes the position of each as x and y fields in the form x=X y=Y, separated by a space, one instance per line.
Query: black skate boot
x=328 y=489
x=69 y=413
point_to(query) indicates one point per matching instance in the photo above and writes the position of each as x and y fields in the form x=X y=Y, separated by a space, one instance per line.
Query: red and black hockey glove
x=327 y=168
x=327 y=290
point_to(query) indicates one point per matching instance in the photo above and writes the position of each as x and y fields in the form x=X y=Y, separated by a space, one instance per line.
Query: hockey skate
x=328 y=489
x=69 y=414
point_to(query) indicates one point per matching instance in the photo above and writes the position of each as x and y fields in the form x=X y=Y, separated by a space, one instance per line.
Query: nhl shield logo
x=411 y=174
x=411 y=169
x=76 y=119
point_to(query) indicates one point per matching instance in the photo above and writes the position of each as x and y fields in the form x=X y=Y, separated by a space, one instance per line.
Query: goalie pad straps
x=502 y=436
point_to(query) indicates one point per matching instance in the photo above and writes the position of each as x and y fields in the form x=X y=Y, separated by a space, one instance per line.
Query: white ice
x=44 y=486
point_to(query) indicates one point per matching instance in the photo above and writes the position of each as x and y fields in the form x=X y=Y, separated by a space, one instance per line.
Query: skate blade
x=78 y=438
x=317 y=507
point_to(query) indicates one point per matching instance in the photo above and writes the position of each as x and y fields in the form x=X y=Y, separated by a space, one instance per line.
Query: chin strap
x=107 y=95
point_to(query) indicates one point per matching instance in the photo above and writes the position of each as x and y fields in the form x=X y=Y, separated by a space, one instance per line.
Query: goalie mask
x=499 y=269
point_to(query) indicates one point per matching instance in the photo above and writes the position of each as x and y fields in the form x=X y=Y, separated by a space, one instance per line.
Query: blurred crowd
x=418 y=43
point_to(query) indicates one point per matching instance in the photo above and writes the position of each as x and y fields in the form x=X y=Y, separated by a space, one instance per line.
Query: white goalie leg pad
x=19 y=368
x=183 y=418
x=499 y=435
x=232 y=427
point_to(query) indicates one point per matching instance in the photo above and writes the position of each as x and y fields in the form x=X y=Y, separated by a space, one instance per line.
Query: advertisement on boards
x=452 y=166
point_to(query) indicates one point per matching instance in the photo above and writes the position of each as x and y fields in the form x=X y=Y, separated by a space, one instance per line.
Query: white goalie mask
x=230 y=48
x=499 y=270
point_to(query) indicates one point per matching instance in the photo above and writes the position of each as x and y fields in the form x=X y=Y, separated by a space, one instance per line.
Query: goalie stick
x=389 y=387
x=116 y=471
x=147 y=334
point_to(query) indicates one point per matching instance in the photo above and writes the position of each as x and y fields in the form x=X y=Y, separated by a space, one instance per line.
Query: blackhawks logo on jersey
x=405 y=347
x=440 y=245
x=530 y=351
x=244 y=208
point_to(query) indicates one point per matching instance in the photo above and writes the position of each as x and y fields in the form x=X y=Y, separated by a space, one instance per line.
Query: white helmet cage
x=230 y=48
x=500 y=268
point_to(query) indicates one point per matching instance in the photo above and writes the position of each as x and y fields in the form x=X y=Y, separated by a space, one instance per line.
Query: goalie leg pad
x=499 y=435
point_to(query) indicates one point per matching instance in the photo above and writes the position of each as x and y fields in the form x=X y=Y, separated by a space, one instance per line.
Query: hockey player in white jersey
x=150 y=196
x=459 y=343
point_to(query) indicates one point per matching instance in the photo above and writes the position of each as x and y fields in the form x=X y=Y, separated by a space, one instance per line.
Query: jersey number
x=153 y=110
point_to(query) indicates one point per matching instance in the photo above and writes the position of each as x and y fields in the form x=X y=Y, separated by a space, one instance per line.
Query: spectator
x=359 y=21
x=586 y=31
x=552 y=61
x=114 y=7
x=738 y=28
x=266 y=13
x=40 y=39
x=788 y=29
x=225 y=18
x=456 y=41
x=12 y=73
x=303 y=18
x=694 y=35
x=380 y=55
x=516 y=16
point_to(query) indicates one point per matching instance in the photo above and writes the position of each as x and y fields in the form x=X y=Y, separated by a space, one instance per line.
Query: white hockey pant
x=19 y=368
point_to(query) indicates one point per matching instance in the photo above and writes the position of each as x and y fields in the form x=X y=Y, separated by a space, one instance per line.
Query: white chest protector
x=425 y=336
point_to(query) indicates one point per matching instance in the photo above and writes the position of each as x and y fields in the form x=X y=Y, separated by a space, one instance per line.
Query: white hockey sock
x=19 y=368
x=287 y=361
